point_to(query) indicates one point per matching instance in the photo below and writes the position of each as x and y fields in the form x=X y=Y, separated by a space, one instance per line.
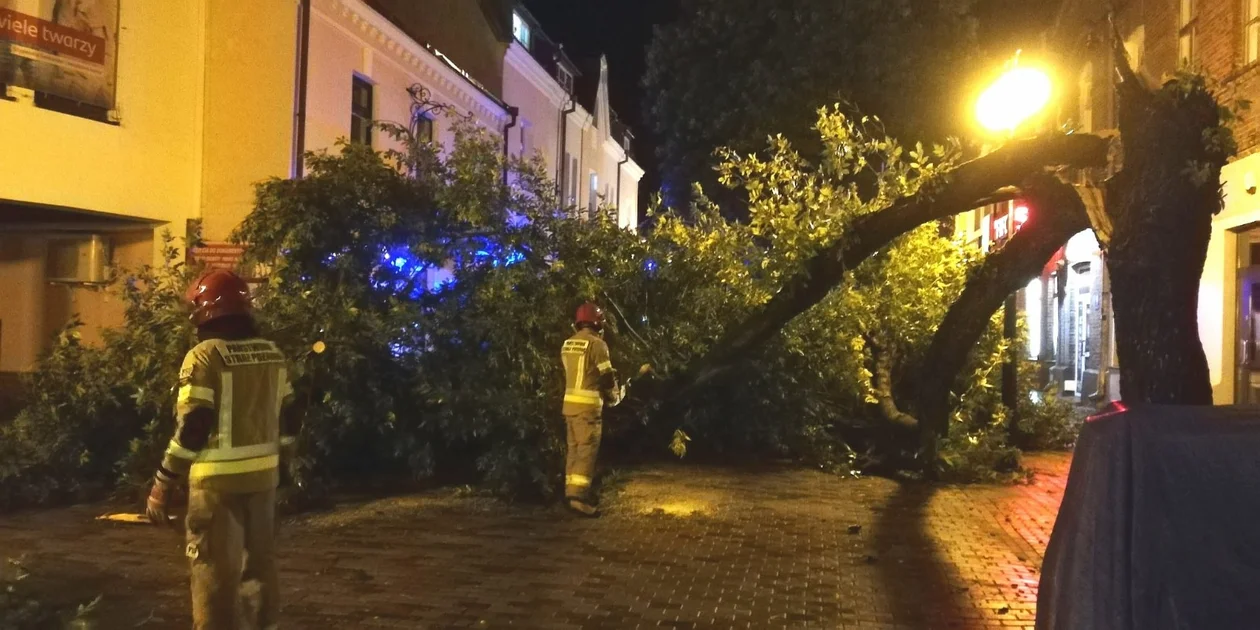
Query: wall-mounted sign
x=68 y=48
x=1000 y=228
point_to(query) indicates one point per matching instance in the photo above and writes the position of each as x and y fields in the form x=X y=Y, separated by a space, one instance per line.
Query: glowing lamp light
x=1014 y=98
x=1021 y=216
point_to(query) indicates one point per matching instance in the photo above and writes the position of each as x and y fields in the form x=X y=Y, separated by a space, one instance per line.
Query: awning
x=19 y=216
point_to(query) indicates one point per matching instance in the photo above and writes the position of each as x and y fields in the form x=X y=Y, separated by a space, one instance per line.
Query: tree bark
x=1160 y=221
x=1057 y=214
x=966 y=187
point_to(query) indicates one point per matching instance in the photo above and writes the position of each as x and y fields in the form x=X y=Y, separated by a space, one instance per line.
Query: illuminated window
x=520 y=29
x=1186 y=22
x=361 y=112
x=1251 y=30
x=565 y=79
x=1032 y=311
x=592 y=201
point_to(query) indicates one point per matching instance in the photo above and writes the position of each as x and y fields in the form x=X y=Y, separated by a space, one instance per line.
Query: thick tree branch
x=1058 y=213
x=967 y=184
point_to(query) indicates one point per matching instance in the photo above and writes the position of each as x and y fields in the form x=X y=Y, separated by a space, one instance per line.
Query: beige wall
x=22 y=307
x=33 y=310
x=248 y=106
x=1218 y=290
x=147 y=165
x=347 y=38
x=540 y=100
x=205 y=106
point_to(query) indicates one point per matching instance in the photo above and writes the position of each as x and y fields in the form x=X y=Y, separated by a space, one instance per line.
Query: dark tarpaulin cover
x=1160 y=524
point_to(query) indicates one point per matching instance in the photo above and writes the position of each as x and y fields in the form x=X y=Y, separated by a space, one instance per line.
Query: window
x=1251 y=30
x=592 y=203
x=361 y=112
x=520 y=29
x=424 y=129
x=566 y=79
x=524 y=142
x=1086 y=95
x=1032 y=311
x=1186 y=22
x=573 y=181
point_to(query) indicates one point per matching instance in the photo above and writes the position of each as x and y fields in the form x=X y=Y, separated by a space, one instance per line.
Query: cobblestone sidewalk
x=679 y=547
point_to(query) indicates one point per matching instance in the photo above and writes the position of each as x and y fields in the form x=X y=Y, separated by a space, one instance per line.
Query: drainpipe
x=564 y=164
x=299 y=95
x=507 y=137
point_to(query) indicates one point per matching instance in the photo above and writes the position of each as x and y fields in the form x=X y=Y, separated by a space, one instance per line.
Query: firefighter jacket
x=589 y=378
x=245 y=384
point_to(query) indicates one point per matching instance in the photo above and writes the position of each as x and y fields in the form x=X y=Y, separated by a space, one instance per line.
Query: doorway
x=1247 y=313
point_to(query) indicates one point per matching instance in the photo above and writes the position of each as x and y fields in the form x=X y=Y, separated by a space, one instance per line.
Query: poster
x=68 y=48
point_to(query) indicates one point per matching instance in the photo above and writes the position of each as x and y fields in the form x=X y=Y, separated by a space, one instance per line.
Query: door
x=1247 y=390
x=1082 y=340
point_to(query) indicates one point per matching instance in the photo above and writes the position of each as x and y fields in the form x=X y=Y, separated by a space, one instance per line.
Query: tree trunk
x=1159 y=208
x=1057 y=214
x=965 y=189
x=885 y=405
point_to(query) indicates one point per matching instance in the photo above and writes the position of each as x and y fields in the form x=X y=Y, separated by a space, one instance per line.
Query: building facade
x=140 y=133
x=156 y=116
x=1220 y=38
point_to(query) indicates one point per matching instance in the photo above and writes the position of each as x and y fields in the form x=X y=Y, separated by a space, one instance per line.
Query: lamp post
x=1015 y=98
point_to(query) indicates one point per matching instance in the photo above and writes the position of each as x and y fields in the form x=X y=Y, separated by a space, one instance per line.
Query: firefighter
x=590 y=382
x=227 y=447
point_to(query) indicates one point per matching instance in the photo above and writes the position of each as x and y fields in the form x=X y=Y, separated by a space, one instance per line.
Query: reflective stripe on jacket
x=585 y=358
x=245 y=383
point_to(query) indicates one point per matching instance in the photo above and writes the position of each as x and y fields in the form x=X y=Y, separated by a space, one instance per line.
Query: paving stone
x=678 y=547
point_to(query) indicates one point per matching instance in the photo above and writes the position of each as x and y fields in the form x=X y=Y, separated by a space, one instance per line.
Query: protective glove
x=618 y=395
x=159 y=497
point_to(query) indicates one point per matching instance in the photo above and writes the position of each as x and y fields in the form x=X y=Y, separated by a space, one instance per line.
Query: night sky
x=620 y=29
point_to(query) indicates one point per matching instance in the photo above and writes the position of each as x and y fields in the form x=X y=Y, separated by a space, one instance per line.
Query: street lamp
x=1015 y=98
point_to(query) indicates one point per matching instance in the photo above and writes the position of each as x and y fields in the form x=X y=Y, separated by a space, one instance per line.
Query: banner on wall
x=68 y=48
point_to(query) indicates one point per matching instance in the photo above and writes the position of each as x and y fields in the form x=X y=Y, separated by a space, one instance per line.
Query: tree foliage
x=441 y=291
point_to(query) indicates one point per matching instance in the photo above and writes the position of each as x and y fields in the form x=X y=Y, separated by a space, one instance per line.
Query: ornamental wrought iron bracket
x=423 y=107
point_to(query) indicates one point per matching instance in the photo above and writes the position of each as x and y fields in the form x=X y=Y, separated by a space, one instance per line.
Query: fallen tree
x=970 y=185
x=1059 y=215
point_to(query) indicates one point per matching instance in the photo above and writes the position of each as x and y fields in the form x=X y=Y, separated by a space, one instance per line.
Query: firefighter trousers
x=231 y=542
x=584 y=428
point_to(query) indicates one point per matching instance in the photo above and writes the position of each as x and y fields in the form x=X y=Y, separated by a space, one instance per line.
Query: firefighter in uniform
x=590 y=382
x=227 y=446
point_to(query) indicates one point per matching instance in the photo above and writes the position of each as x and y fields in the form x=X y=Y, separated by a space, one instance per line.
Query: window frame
x=521 y=30
x=565 y=79
x=359 y=122
x=1251 y=31
x=1187 y=32
x=429 y=124
x=592 y=203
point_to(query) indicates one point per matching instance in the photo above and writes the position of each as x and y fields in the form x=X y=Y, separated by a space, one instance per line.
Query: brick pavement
x=679 y=547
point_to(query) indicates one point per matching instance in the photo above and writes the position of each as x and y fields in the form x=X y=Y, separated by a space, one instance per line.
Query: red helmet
x=217 y=293
x=589 y=314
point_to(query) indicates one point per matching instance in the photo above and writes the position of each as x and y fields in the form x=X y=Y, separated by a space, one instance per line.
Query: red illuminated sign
x=1002 y=226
